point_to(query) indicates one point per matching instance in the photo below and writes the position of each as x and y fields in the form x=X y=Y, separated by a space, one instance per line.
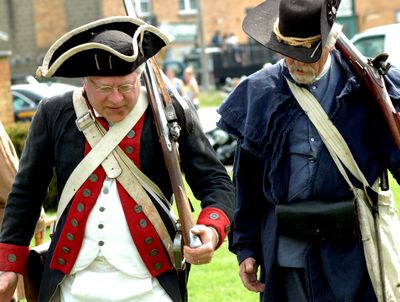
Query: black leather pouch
x=318 y=220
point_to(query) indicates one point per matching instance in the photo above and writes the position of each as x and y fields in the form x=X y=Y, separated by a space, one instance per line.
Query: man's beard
x=309 y=75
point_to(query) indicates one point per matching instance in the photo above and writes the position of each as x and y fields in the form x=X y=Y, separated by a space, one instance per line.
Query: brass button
x=66 y=250
x=138 y=209
x=129 y=150
x=12 y=258
x=153 y=252
x=131 y=134
x=87 y=193
x=158 y=266
x=148 y=240
x=93 y=177
x=102 y=209
x=101 y=243
x=143 y=223
x=100 y=226
x=80 y=207
x=214 y=216
x=74 y=222
x=61 y=261
x=70 y=237
x=106 y=191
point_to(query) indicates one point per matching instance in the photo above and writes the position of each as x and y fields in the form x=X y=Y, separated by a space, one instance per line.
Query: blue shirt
x=304 y=147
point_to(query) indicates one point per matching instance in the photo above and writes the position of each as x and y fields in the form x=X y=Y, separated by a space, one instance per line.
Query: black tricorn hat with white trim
x=294 y=28
x=111 y=46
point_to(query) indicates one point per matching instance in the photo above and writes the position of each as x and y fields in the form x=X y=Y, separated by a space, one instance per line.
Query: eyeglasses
x=108 y=90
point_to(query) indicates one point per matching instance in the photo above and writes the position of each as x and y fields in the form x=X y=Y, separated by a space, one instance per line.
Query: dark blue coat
x=261 y=112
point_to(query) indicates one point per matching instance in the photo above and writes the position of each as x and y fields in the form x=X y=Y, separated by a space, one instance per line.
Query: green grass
x=219 y=280
x=211 y=98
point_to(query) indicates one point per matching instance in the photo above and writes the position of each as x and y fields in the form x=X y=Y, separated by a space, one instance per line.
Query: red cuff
x=13 y=258
x=216 y=218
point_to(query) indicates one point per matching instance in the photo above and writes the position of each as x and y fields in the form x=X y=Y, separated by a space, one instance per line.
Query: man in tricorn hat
x=113 y=239
x=281 y=161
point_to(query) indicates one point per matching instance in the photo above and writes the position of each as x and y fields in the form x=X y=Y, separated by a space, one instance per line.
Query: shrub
x=18 y=133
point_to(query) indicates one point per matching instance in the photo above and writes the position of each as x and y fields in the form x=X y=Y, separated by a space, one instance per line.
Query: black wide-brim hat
x=113 y=46
x=297 y=18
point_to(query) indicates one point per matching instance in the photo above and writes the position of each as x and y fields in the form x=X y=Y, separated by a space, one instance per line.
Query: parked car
x=381 y=39
x=24 y=108
x=26 y=97
x=223 y=143
x=36 y=92
x=23 y=79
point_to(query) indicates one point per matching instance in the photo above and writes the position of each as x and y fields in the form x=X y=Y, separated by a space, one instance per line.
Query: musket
x=370 y=72
x=168 y=131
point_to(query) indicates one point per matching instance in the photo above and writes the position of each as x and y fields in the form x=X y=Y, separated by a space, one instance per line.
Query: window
x=397 y=15
x=180 y=32
x=143 y=8
x=188 y=6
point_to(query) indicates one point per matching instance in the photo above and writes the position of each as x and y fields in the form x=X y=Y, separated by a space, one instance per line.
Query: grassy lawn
x=212 y=98
x=219 y=280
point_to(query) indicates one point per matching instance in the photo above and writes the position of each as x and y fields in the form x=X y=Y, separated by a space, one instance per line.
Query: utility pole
x=205 y=81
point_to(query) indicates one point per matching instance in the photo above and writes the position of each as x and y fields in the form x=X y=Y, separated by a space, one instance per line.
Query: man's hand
x=248 y=274
x=204 y=253
x=8 y=283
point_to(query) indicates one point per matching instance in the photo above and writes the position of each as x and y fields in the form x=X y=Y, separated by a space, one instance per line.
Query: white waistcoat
x=109 y=267
x=107 y=234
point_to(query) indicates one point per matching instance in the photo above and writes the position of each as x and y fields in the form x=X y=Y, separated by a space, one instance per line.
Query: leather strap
x=130 y=177
x=100 y=150
x=330 y=135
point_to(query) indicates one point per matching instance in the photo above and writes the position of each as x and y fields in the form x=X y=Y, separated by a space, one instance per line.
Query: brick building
x=33 y=25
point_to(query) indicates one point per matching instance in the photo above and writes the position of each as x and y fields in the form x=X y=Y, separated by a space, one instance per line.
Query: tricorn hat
x=112 y=46
x=294 y=28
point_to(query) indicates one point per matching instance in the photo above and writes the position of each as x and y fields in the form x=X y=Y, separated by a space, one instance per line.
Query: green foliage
x=18 y=133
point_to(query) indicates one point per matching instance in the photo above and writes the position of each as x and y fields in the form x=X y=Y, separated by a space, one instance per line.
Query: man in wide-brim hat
x=281 y=159
x=115 y=230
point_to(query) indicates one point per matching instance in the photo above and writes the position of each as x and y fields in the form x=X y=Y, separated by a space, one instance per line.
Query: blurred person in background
x=175 y=81
x=191 y=88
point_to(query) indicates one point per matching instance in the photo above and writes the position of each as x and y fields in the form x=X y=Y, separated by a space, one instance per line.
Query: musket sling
x=376 y=212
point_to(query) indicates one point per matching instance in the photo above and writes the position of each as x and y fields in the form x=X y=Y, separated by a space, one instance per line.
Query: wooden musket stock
x=371 y=77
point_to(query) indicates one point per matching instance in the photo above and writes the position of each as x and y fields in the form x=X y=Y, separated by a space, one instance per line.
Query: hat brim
x=73 y=55
x=259 y=23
